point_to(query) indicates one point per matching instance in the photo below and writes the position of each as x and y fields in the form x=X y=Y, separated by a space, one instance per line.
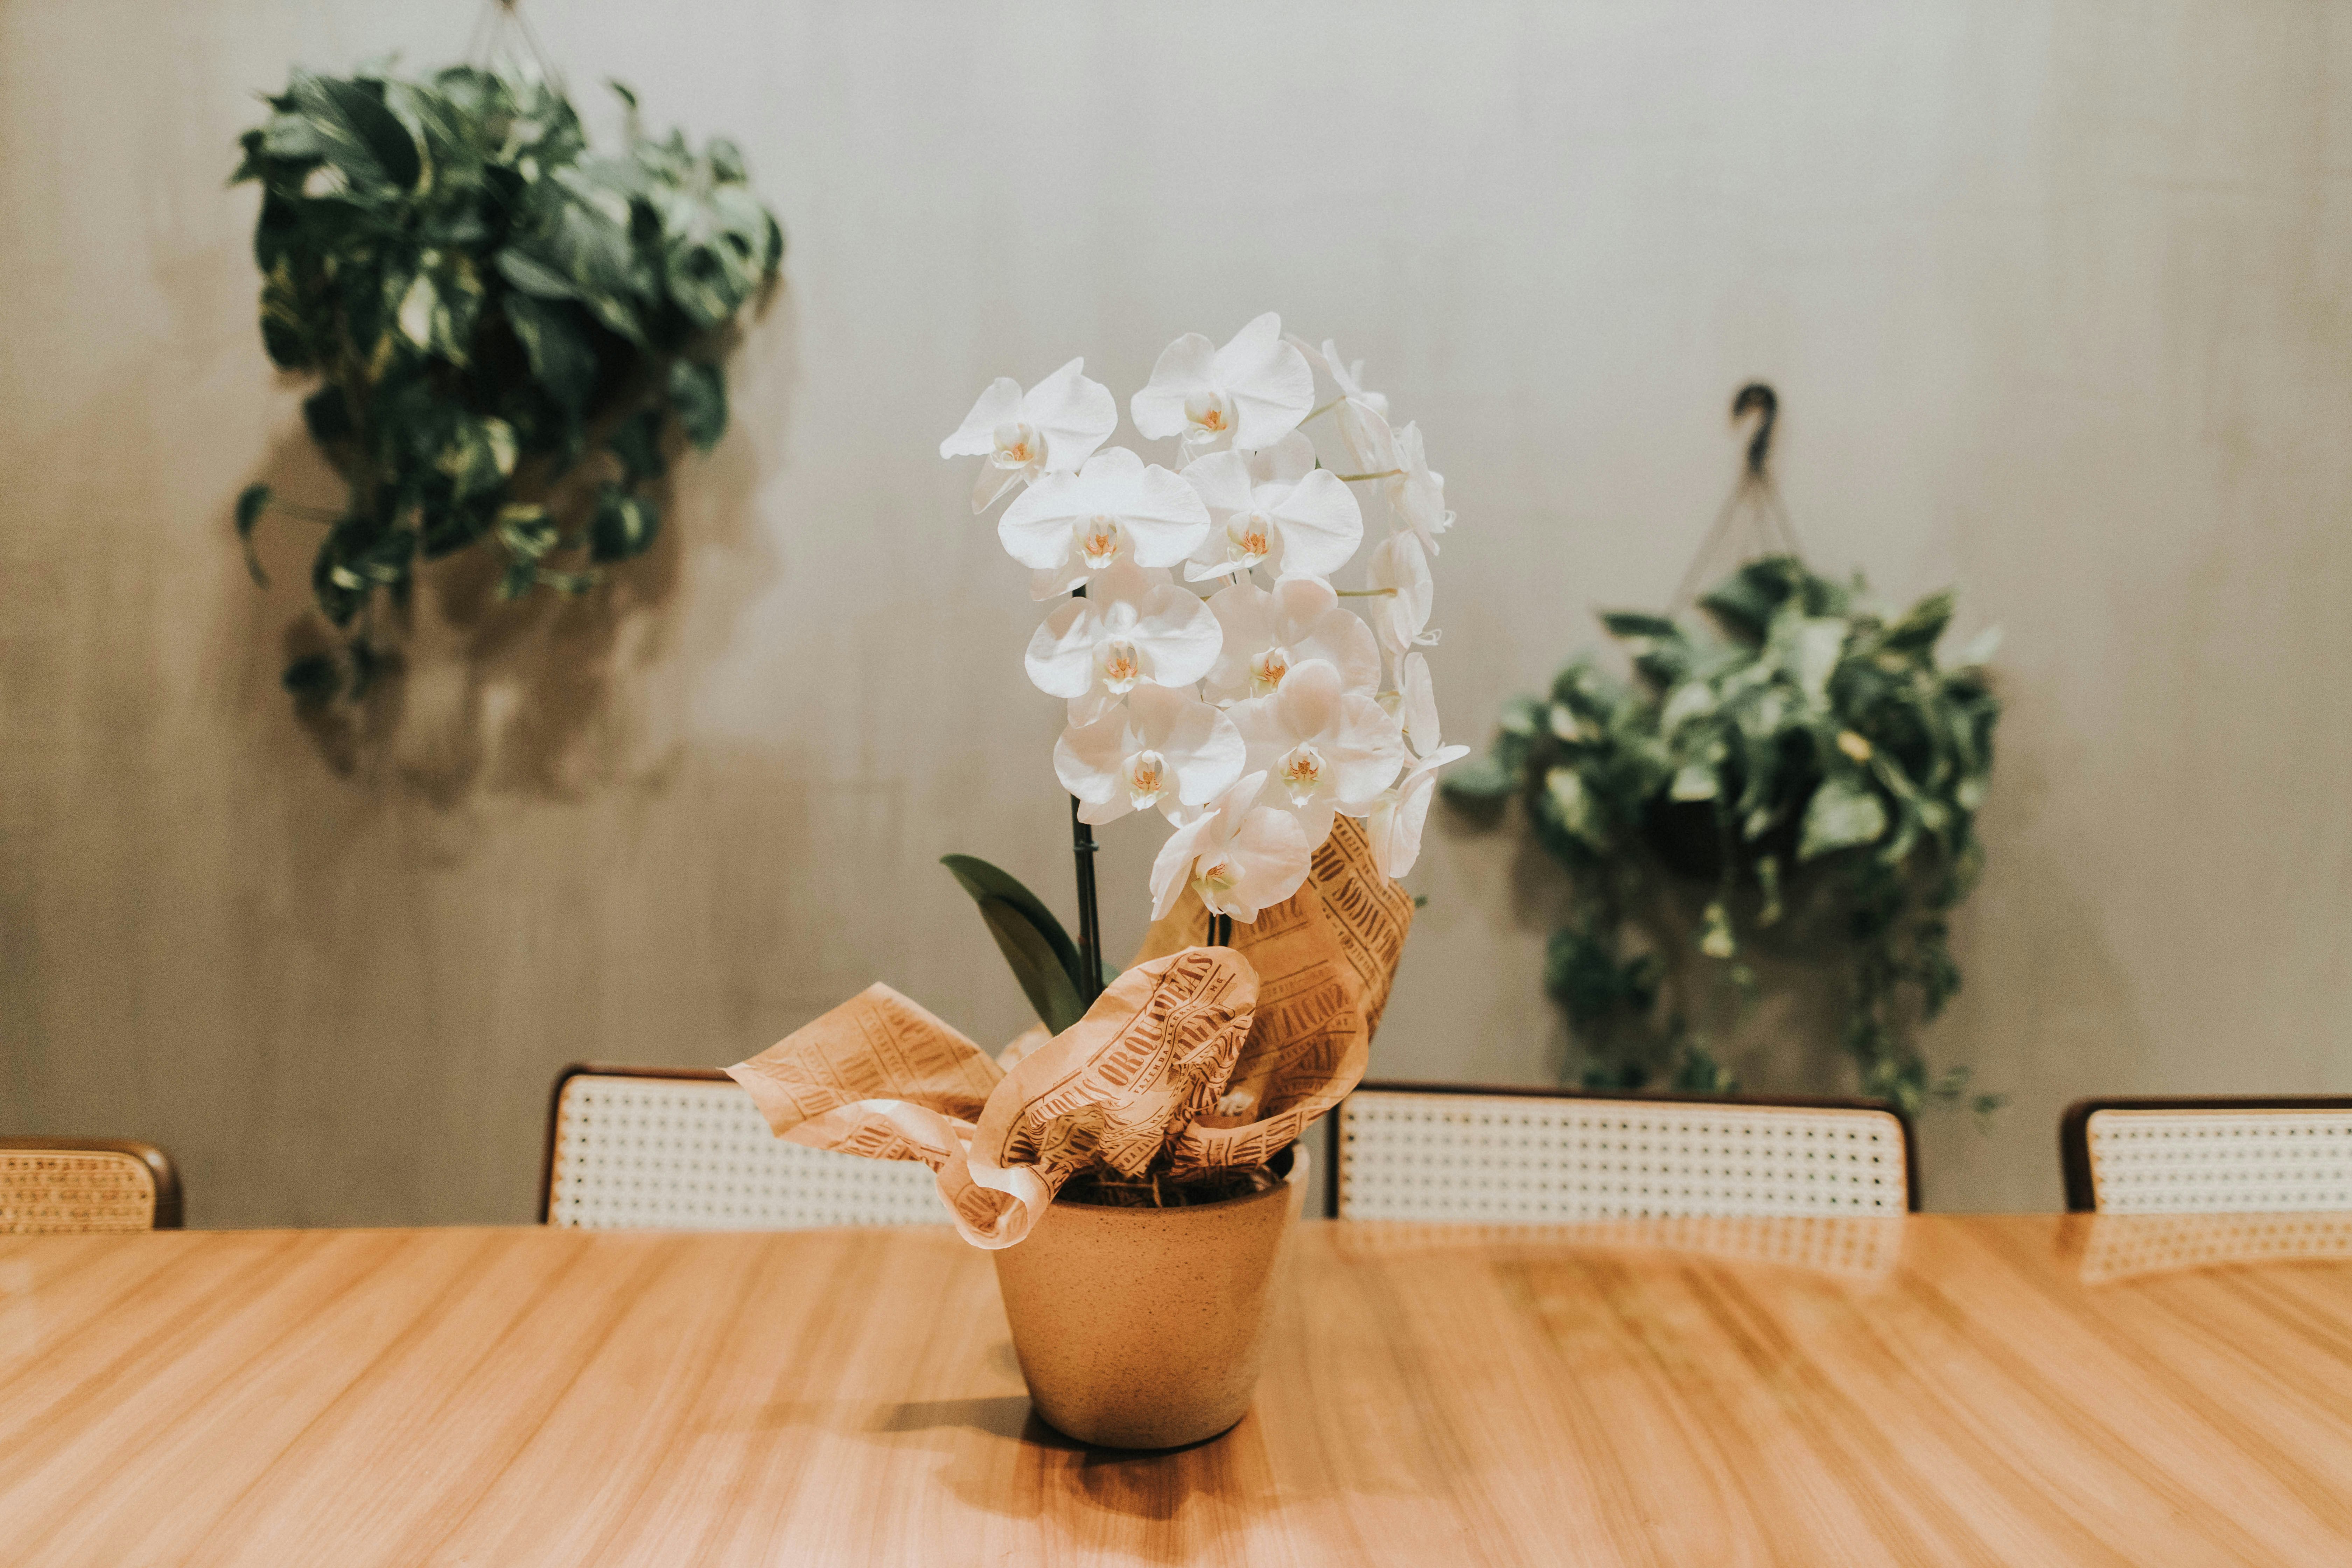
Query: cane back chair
x=684 y=1149
x=1503 y=1156
x=60 y=1186
x=2233 y=1155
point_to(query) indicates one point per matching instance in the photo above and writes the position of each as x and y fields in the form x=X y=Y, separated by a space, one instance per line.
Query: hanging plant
x=506 y=327
x=1805 y=768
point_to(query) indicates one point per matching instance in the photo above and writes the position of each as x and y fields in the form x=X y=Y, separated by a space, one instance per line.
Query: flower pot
x=1143 y=1328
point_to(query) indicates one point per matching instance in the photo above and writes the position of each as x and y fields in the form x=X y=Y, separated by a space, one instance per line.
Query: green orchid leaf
x=982 y=880
x=1031 y=956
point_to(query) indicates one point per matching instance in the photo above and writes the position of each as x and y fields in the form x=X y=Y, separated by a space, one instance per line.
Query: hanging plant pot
x=1144 y=1328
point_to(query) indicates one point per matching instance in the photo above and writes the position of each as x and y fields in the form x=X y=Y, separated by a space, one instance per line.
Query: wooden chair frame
x=1761 y=1101
x=599 y=1070
x=2074 y=1127
x=160 y=1169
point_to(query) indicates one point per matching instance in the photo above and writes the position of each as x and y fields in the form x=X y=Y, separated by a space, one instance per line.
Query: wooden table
x=2012 y=1391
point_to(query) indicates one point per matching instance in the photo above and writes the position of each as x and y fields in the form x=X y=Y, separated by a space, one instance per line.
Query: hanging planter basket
x=512 y=333
x=1796 y=748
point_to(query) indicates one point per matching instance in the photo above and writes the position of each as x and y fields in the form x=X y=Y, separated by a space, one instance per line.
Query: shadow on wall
x=534 y=697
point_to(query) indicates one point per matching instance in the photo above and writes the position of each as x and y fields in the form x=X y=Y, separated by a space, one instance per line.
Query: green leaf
x=1923 y=624
x=982 y=880
x=535 y=278
x=697 y=392
x=1627 y=623
x=624 y=526
x=1479 y=782
x=251 y=502
x=636 y=441
x=562 y=361
x=1844 y=811
x=313 y=678
x=527 y=531
x=353 y=131
x=326 y=416
x=1032 y=958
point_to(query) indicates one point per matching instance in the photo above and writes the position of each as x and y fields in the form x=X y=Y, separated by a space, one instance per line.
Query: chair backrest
x=65 y=1186
x=684 y=1149
x=2232 y=1155
x=1460 y=1152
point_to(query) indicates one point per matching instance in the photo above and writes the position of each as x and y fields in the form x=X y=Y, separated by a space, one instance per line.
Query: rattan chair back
x=2232 y=1155
x=1501 y=1156
x=684 y=1149
x=68 y=1186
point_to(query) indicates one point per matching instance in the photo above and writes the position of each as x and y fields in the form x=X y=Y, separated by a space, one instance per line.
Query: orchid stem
x=1364 y=593
x=1326 y=408
x=1082 y=851
x=1383 y=474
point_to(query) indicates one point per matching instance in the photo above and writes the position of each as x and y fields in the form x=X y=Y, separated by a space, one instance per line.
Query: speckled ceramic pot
x=1143 y=1328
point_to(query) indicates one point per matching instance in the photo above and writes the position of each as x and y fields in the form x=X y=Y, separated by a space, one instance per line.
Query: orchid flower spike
x=1273 y=509
x=1323 y=748
x=1161 y=747
x=1238 y=856
x=1267 y=633
x=1403 y=592
x=1135 y=627
x=1416 y=492
x=1051 y=428
x=1249 y=393
x=1067 y=527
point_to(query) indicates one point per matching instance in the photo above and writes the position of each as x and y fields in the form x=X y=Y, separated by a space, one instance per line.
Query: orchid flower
x=1136 y=628
x=1162 y=747
x=1362 y=416
x=1399 y=572
x=1068 y=527
x=1416 y=492
x=1323 y=749
x=1395 y=822
x=1249 y=393
x=1268 y=633
x=1238 y=856
x=1053 y=427
x=1302 y=526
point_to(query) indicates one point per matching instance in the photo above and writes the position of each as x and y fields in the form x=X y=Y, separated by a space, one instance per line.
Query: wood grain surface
x=1930 y=1390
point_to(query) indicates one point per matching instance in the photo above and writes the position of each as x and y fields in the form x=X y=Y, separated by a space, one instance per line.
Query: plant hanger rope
x=499 y=27
x=1753 y=495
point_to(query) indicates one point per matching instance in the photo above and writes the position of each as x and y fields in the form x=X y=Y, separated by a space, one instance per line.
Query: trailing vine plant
x=1804 y=764
x=506 y=327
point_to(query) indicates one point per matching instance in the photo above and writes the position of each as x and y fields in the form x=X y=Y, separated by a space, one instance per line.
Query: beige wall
x=2056 y=294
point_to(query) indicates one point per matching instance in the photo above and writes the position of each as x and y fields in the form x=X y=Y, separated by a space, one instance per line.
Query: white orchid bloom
x=1395 y=822
x=1323 y=749
x=1238 y=856
x=1135 y=629
x=1363 y=415
x=1267 y=633
x=1303 y=528
x=1249 y=393
x=1416 y=492
x=1400 y=577
x=1161 y=747
x=1051 y=428
x=1070 y=526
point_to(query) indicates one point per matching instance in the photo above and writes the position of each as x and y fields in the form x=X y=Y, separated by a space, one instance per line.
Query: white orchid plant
x=1213 y=672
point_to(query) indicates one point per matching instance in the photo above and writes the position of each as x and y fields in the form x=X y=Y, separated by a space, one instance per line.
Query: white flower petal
x=1399 y=564
x=1221 y=480
x=1162 y=514
x=1036 y=529
x=1286 y=462
x=1364 y=751
x=1418 y=710
x=1075 y=414
x=1321 y=525
x=1182 y=369
x=1275 y=853
x=1172 y=868
x=1307 y=703
x=976 y=437
x=1269 y=381
x=1061 y=656
x=1177 y=636
x=1087 y=757
x=1309 y=623
x=1364 y=431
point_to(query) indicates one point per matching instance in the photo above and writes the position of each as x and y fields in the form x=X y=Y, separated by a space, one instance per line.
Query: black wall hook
x=1754 y=397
